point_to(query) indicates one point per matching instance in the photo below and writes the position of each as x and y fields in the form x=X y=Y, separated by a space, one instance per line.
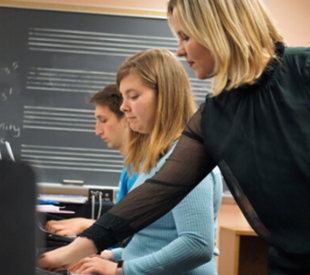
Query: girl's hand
x=95 y=264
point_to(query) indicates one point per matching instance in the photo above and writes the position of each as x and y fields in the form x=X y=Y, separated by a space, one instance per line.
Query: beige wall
x=292 y=16
x=293 y=20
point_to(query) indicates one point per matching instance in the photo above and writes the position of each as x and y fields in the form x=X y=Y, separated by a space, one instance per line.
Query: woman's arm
x=195 y=222
x=186 y=167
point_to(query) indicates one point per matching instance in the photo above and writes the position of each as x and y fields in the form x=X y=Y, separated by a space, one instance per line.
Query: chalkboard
x=51 y=63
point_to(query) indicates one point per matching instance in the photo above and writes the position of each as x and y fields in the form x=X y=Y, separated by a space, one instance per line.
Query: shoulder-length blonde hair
x=239 y=33
x=161 y=71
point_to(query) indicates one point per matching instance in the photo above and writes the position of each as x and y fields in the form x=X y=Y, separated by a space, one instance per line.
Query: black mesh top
x=259 y=136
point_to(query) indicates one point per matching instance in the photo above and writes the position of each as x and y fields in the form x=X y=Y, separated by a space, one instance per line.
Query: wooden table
x=242 y=252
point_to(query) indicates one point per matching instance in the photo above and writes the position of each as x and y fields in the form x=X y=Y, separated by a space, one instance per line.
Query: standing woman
x=254 y=126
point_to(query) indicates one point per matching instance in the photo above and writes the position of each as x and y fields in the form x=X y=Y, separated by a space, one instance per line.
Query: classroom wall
x=292 y=17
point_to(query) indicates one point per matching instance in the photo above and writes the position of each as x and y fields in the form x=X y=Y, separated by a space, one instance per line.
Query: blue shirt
x=182 y=241
x=125 y=184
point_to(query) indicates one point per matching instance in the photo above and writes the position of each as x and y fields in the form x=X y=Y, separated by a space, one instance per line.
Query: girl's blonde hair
x=239 y=33
x=161 y=71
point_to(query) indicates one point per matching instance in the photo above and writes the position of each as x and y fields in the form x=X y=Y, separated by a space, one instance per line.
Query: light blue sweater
x=181 y=242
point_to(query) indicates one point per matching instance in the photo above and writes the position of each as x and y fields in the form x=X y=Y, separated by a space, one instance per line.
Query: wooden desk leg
x=241 y=253
x=229 y=252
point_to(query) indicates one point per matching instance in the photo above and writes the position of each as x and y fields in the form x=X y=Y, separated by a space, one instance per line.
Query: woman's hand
x=95 y=264
x=55 y=260
x=66 y=256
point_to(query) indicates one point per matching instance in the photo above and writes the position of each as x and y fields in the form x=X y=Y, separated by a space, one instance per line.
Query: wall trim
x=83 y=8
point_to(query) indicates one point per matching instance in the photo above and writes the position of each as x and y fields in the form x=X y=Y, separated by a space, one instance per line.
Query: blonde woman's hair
x=161 y=71
x=239 y=33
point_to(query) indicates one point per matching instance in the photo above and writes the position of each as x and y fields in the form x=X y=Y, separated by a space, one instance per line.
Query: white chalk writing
x=10 y=127
x=3 y=96
x=9 y=80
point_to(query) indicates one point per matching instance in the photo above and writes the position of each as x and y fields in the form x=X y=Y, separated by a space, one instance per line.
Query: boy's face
x=109 y=127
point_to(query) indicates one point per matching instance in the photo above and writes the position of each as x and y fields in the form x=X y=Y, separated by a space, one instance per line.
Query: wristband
x=120 y=264
x=119 y=269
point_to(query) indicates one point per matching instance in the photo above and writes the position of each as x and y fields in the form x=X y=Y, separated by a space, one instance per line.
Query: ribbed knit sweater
x=182 y=241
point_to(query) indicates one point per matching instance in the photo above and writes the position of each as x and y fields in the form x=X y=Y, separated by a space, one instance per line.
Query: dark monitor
x=17 y=218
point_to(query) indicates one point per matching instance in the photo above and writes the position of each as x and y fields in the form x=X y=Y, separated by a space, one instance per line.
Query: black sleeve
x=184 y=169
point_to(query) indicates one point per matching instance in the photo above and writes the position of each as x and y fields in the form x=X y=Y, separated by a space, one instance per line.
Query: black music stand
x=17 y=218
